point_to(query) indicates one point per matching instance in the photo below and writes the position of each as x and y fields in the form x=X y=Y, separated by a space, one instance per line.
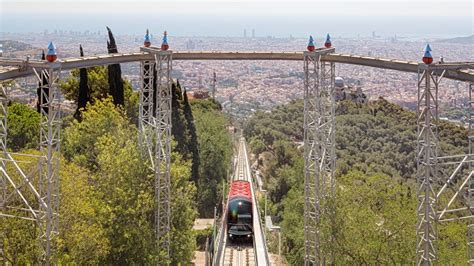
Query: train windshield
x=239 y=210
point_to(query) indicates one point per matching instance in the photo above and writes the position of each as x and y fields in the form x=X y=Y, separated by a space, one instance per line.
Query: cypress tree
x=84 y=94
x=179 y=92
x=44 y=78
x=115 y=73
x=193 y=141
x=178 y=128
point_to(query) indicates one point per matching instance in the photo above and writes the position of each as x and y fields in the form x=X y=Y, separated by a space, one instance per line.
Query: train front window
x=240 y=207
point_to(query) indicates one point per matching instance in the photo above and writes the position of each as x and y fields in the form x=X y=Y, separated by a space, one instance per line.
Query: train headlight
x=249 y=236
x=230 y=235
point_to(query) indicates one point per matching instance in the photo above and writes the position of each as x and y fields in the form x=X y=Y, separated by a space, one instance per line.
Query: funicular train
x=239 y=212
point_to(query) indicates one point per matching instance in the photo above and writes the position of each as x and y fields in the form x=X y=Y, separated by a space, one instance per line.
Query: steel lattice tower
x=427 y=168
x=42 y=206
x=470 y=199
x=3 y=146
x=319 y=153
x=146 y=119
x=50 y=125
x=163 y=149
x=155 y=132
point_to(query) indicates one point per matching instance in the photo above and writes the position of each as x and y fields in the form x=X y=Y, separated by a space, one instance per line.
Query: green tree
x=82 y=233
x=105 y=143
x=257 y=146
x=215 y=150
x=99 y=89
x=23 y=127
x=116 y=88
x=81 y=138
x=83 y=94
x=81 y=236
x=183 y=206
x=376 y=189
x=179 y=127
x=193 y=140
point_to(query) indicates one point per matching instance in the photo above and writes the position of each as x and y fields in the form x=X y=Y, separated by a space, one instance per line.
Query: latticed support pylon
x=427 y=165
x=470 y=200
x=46 y=195
x=163 y=150
x=146 y=119
x=3 y=147
x=319 y=155
x=50 y=126
x=155 y=137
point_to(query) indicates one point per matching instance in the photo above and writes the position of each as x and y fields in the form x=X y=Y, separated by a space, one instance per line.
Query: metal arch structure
x=427 y=115
x=16 y=68
x=155 y=135
x=319 y=154
x=43 y=192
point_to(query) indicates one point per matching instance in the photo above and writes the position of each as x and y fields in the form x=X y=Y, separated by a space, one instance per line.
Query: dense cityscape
x=262 y=84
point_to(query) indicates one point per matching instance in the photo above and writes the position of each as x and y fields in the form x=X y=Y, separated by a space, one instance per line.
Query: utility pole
x=214 y=86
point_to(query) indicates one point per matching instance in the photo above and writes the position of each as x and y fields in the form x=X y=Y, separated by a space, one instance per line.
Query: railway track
x=239 y=254
x=241 y=174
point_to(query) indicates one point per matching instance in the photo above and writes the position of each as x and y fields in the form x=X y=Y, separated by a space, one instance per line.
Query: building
x=190 y=45
x=344 y=92
x=199 y=94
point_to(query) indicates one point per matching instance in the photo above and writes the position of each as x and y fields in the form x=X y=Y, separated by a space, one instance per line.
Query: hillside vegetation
x=107 y=188
x=376 y=190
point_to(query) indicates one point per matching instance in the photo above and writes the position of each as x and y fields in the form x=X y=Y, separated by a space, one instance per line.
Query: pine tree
x=115 y=73
x=84 y=94
x=193 y=140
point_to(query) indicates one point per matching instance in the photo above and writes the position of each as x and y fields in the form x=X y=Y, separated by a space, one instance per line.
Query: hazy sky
x=230 y=17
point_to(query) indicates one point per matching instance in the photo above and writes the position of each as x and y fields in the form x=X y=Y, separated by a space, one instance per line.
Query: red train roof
x=240 y=189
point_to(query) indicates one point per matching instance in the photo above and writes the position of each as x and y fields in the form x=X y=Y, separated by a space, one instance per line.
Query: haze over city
x=228 y=18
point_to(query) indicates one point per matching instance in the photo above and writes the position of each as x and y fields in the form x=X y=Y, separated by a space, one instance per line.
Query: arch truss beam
x=155 y=136
x=319 y=155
